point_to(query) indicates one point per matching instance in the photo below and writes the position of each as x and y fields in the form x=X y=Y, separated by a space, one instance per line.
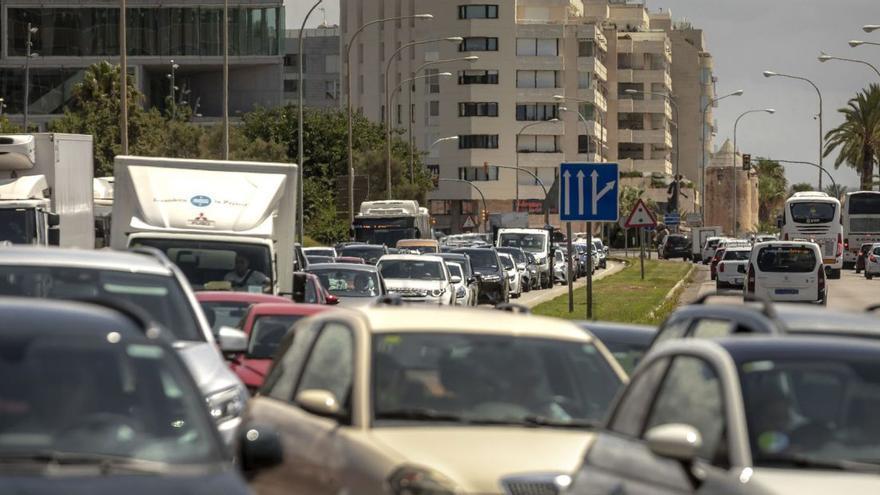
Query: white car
x=787 y=271
x=710 y=247
x=732 y=268
x=320 y=251
x=872 y=262
x=463 y=294
x=418 y=279
x=560 y=267
x=514 y=277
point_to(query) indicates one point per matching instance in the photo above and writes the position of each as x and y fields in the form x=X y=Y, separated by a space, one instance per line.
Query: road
x=851 y=293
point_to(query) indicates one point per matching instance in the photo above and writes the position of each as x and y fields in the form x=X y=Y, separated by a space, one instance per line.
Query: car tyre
x=868 y=276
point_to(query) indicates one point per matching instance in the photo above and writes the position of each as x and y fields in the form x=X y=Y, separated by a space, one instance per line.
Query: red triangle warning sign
x=640 y=217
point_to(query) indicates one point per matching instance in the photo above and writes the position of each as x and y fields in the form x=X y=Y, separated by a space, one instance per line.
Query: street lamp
x=768 y=74
x=443 y=140
x=516 y=150
x=454 y=39
x=824 y=57
x=348 y=46
x=735 y=125
x=27 y=71
x=833 y=182
x=171 y=77
x=300 y=229
x=2 y=105
x=855 y=43
x=712 y=102
x=870 y=28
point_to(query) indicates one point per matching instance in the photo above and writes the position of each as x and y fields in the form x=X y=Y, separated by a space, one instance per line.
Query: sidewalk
x=536 y=297
x=697 y=287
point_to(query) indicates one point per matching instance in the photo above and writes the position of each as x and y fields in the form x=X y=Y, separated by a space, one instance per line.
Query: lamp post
x=454 y=39
x=602 y=122
x=443 y=140
x=768 y=74
x=516 y=150
x=27 y=71
x=171 y=78
x=226 y=79
x=483 y=198
x=824 y=57
x=299 y=140
x=123 y=77
x=703 y=160
x=855 y=43
x=735 y=125
x=870 y=28
x=833 y=182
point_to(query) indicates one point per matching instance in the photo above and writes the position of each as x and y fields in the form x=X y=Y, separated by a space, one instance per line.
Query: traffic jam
x=185 y=343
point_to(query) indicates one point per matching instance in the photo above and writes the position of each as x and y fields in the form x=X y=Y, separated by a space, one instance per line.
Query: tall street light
x=454 y=39
x=768 y=73
x=735 y=125
x=300 y=154
x=824 y=57
x=348 y=46
x=855 y=43
x=29 y=44
x=516 y=150
x=443 y=140
x=123 y=77
x=833 y=182
x=870 y=28
x=711 y=103
x=226 y=79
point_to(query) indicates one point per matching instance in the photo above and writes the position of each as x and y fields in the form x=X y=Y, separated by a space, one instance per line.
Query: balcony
x=655 y=136
x=651 y=166
x=657 y=105
x=645 y=76
x=593 y=96
x=539 y=62
x=593 y=65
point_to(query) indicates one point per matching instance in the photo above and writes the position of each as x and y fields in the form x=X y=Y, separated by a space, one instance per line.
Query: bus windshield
x=385 y=231
x=812 y=212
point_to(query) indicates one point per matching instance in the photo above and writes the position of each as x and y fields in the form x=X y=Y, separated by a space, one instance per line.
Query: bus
x=861 y=223
x=816 y=217
x=386 y=222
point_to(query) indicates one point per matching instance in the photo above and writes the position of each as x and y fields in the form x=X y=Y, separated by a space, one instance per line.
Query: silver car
x=353 y=284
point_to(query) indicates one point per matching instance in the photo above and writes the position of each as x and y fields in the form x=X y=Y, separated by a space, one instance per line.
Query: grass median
x=624 y=297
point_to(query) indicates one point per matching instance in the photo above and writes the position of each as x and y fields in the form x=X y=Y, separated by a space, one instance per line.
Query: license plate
x=785 y=292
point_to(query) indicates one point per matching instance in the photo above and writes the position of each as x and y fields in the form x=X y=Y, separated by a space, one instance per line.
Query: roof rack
x=513 y=308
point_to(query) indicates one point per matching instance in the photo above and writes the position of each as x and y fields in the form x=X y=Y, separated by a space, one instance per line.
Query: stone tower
x=720 y=195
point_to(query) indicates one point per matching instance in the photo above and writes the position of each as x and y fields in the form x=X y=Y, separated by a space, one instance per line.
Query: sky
x=747 y=37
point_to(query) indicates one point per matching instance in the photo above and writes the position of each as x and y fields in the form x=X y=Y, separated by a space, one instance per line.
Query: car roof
x=343 y=266
x=620 y=332
x=795 y=347
x=453 y=256
x=362 y=246
x=103 y=259
x=821 y=321
x=411 y=257
x=56 y=317
x=245 y=297
x=286 y=309
x=738 y=248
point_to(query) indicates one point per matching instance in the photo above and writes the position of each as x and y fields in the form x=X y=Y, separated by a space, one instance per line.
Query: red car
x=266 y=325
x=713 y=269
x=227 y=308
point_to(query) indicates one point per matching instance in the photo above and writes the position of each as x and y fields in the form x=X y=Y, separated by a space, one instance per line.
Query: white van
x=787 y=271
x=534 y=241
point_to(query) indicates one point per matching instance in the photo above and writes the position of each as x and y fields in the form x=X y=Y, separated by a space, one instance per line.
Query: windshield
x=483 y=259
x=786 y=259
x=224 y=313
x=385 y=231
x=77 y=395
x=469 y=377
x=506 y=262
x=317 y=260
x=369 y=254
x=821 y=409
x=864 y=203
x=344 y=282
x=518 y=255
x=18 y=225
x=328 y=252
x=812 y=212
x=158 y=295
x=533 y=243
x=454 y=270
x=737 y=255
x=675 y=240
x=211 y=265
x=267 y=334
x=411 y=270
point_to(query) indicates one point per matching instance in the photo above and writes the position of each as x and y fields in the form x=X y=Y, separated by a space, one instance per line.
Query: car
x=863 y=256
x=760 y=415
x=314 y=291
x=561 y=270
x=765 y=238
x=350 y=259
x=709 y=248
x=412 y=400
x=514 y=278
x=350 y=284
x=787 y=271
x=583 y=261
x=731 y=269
x=266 y=325
x=227 y=308
x=522 y=265
x=420 y=246
x=320 y=259
x=101 y=403
x=713 y=264
x=532 y=268
x=675 y=246
x=628 y=343
x=418 y=279
x=327 y=252
x=464 y=261
x=535 y=241
x=602 y=251
x=492 y=281
x=368 y=252
x=463 y=296
x=147 y=279
x=872 y=262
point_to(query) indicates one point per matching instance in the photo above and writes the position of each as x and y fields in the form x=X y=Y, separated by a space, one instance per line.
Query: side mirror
x=320 y=402
x=54 y=236
x=455 y=279
x=53 y=220
x=300 y=280
x=260 y=448
x=674 y=441
x=332 y=300
x=232 y=340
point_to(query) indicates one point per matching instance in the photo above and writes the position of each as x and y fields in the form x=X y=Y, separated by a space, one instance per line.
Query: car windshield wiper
x=559 y=423
x=107 y=463
x=808 y=462
x=420 y=415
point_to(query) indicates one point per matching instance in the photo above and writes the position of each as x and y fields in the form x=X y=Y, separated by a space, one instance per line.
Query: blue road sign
x=672 y=219
x=588 y=192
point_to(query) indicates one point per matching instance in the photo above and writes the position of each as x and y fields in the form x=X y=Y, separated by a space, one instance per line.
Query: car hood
x=356 y=302
x=814 y=482
x=223 y=483
x=252 y=371
x=405 y=283
x=207 y=366
x=477 y=458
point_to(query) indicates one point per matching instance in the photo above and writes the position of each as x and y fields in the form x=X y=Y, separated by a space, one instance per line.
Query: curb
x=672 y=292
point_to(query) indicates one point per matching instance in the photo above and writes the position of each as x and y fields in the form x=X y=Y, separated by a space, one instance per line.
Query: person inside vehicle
x=242 y=276
x=362 y=285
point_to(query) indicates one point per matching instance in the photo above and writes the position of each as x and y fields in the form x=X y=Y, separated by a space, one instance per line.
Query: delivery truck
x=228 y=225
x=699 y=236
x=46 y=190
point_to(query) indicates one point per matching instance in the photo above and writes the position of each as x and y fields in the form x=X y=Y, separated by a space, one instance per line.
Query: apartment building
x=70 y=36
x=321 y=67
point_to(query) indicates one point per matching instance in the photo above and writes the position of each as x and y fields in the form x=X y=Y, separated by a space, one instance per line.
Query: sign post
x=588 y=193
x=641 y=217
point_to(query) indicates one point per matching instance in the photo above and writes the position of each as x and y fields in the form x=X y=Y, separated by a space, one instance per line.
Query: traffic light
x=747 y=162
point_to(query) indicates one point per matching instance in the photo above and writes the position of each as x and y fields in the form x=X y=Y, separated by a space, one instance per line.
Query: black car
x=369 y=252
x=465 y=262
x=626 y=342
x=100 y=403
x=492 y=280
x=675 y=246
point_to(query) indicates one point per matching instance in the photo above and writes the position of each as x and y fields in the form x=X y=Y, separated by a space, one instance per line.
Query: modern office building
x=321 y=66
x=70 y=36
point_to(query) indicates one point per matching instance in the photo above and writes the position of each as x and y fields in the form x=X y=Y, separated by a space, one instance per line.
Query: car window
x=672 y=330
x=286 y=370
x=691 y=395
x=630 y=414
x=224 y=313
x=411 y=270
x=267 y=334
x=708 y=328
x=737 y=255
x=330 y=363
x=795 y=259
x=877 y=250
x=347 y=282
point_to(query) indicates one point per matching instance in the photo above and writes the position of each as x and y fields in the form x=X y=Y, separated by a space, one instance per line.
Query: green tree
x=772 y=189
x=836 y=190
x=240 y=146
x=800 y=187
x=858 y=137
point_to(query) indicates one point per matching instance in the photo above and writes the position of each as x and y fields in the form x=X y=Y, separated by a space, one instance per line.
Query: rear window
x=737 y=255
x=819 y=212
x=786 y=259
x=712 y=243
x=676 y=241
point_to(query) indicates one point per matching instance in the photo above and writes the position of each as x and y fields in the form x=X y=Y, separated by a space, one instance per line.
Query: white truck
x=699 y=236
x=386 y=222
x=226 y=224
x=46 y=190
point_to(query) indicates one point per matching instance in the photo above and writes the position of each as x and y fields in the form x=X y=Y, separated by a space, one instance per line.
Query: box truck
x=46 y=190
x=699 y=236
x=228 y=225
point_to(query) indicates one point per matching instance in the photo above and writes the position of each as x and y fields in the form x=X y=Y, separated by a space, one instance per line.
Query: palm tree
x=858 y=137
x=772 y=188
x=836 y=190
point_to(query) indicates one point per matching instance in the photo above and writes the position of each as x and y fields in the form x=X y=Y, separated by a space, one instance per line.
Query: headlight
x=460 y=293
x=413 y=480
x=438 y=292
x=227 y=404
x=511 y=277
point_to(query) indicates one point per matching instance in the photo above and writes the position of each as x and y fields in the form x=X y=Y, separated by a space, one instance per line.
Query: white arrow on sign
x=567 y=192
x=581 y=192
x=597 y=196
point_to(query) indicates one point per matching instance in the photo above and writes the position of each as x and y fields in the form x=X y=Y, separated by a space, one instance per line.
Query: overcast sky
x=747 y=37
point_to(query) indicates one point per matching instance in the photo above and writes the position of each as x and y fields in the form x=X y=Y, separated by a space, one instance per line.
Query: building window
x=441 y=207
x=537 y=79
x=434 y=108
x=469 y=207
x=478 y=173
x=434 y=170
x=537 y=111
x=537 y=47
x=584 y=80
x=291 y=60
x=478 y=141
x=586 y=48
x=432 y=82
x=478 y=44
x=331 y=64
x=587 y=144
x=539 y=144
x=478 y=12
x=292 y=86
x=478 y=77
x=475 y=109
x=331 y=90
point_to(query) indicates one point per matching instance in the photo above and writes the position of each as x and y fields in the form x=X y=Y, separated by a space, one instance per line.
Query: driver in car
x=242 y=276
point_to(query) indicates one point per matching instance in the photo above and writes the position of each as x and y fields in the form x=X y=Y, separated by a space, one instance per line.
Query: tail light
x=785 y=238
x=821 y=278
x=839 y=246
x=750 y=286
x=721 y=267
x=846 y=244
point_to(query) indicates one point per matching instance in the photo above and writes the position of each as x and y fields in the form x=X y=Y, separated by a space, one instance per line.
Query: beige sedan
x=430 y=401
